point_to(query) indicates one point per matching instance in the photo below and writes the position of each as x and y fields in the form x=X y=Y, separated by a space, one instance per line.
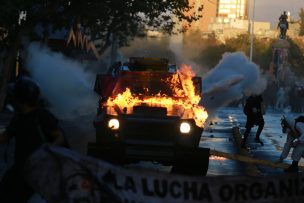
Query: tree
x=262 y=51
x=101 y=19
x=296 y=58
x=211 y=56
x=240 y=43
x=301 y=15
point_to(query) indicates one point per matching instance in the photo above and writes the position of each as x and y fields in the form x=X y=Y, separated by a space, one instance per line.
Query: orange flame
x=186 y=97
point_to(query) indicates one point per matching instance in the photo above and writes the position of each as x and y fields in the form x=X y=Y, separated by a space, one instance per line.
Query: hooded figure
x=294 y=128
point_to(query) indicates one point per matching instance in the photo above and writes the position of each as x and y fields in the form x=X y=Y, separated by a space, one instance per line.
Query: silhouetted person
x=32 y=126
x=283 y=17
x=254 y=110
x=283 y=25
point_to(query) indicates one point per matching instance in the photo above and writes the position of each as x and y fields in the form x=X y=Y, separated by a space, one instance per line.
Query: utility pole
x=252 y=29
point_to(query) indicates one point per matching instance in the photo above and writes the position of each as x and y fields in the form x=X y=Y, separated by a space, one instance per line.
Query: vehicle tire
x=194 y=163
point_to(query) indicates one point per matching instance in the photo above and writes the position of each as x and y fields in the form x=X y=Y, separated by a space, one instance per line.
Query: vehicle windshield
x=148 y=84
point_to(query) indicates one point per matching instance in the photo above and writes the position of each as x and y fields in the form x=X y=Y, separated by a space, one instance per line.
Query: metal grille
x=149 y=131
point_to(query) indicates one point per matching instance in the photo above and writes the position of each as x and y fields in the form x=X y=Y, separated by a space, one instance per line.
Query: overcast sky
x=270 y=10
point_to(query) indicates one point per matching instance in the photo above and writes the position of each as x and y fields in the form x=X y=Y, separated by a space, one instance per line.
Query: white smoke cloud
x=234 y=77
x=69 y=88
x=63 y=82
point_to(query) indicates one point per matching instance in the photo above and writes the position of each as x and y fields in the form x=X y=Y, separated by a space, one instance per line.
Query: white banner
x=61 y=175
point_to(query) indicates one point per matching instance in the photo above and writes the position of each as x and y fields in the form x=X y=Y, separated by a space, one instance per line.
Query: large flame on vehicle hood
x=185 y=98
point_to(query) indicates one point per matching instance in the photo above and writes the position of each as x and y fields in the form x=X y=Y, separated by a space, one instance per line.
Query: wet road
x=216 y=136
x=219 y=137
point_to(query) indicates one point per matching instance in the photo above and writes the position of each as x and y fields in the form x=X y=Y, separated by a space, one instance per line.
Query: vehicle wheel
x=193 y=163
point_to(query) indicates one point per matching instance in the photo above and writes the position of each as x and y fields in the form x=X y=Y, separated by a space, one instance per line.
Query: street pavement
x=217 y=135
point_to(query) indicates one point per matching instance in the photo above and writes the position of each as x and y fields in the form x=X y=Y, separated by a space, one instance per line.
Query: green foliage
x=296 y=58
x=102 y=19
x=239 y=43
x=213 y=54
x=301 y=15
x=196 y=41
x=298 y=41
x=262 y=51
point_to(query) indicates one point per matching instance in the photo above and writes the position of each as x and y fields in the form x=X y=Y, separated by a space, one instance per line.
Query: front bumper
x=148 y=131
x=151 y=138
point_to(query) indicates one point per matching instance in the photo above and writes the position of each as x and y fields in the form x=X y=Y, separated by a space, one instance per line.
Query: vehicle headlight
x=113 y=124
x=185 y=127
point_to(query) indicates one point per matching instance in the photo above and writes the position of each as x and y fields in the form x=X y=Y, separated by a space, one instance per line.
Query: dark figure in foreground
x=254 y=110
x=32 y=126
x=294 y=128
x=283 y=25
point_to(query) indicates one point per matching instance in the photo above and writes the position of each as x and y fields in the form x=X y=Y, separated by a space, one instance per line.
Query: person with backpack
x=294 y=128
x=254 y=110
x=32 y=125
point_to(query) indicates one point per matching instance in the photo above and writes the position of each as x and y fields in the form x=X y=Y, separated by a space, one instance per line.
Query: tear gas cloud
x=64 y=83
x=69 y=88
x=234 y=77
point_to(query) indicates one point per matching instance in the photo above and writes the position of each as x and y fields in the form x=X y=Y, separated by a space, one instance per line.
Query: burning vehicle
x=149 y=110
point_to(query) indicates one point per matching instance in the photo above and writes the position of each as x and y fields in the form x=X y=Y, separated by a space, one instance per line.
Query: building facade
x=226 y=19
x=228 y=10
x=219 y=11
x=208 y=14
